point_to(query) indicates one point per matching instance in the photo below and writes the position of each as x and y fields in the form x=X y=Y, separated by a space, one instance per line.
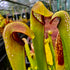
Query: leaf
x=64 y=31
x=38 y=12
x=14 y=45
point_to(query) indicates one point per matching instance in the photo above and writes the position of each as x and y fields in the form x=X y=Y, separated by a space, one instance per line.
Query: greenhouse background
x=9 y=5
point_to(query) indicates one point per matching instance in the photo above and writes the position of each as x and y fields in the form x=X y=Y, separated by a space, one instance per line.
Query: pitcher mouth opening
x=54 y=19
x=39 y=17
x=17 y=38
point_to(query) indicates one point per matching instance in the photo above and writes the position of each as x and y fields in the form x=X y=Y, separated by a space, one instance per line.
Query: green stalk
x=31 y=60
x=52 y=49
x=64 y=30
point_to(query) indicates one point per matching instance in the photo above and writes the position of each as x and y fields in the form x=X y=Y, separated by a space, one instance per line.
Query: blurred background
x=21 y=6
